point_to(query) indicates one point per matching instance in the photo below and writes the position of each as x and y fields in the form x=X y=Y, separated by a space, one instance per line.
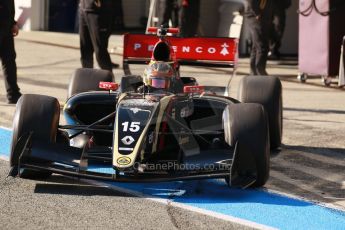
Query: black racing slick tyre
x=84 y=80
x=246 y=124
x=37 y=114
x=267 y=91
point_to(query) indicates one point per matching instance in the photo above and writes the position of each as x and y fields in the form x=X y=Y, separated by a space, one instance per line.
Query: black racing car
x=140 y=133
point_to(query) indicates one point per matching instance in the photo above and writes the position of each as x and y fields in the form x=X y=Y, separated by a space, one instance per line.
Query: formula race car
x=159 y=126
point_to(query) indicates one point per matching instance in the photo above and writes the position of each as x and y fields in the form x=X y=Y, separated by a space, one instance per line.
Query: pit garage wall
x=212 y=10
x=134 y=12
x=33 y=15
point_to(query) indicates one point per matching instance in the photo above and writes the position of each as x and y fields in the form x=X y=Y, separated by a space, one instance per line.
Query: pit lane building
x=61 y=16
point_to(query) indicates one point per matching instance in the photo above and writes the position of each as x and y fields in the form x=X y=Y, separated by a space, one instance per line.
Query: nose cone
x=132 y=123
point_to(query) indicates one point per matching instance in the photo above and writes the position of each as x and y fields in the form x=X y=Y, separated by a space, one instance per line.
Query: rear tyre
x=38 y=114
x=267 y=91
x=84 y=80
x=246 y=124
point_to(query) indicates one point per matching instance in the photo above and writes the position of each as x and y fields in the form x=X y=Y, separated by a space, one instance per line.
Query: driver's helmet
x=159 y=75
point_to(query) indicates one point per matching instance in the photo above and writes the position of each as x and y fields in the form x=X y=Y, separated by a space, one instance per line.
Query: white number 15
x=133 y=127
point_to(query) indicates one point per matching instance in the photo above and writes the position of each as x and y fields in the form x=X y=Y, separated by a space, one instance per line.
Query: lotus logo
x=123 y=160
x=135 y=110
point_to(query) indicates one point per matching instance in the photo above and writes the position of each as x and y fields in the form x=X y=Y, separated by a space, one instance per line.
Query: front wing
x=66 y=160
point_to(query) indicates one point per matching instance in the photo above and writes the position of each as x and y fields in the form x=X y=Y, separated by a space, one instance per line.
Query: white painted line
x=4 y=158
x=8 y=129
x=183 y=206
x=334 y=198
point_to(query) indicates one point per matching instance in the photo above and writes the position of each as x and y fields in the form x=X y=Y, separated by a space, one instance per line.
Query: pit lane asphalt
x=64 y=203
x=310 y=166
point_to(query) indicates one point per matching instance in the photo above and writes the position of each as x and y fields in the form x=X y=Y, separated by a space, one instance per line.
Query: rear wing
x=195 y=51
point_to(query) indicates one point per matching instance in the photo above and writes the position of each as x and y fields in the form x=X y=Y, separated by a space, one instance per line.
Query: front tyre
x=246 y=124
x=37 y=114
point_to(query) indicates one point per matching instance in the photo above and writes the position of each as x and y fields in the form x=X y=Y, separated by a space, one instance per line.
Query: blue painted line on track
x=255 y=205
x=5 y=142
x=213 y=195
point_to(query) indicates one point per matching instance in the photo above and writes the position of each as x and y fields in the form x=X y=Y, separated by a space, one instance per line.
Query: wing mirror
x=108 y=85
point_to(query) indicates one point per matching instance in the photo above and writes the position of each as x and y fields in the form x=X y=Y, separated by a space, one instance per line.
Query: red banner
x=203 y=49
